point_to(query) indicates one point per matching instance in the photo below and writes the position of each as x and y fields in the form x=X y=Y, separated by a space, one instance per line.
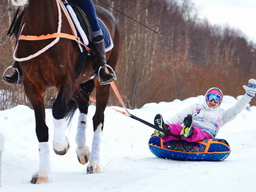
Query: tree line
x=167 y=53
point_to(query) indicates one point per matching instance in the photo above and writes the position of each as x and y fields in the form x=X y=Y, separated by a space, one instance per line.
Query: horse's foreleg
x=102 y=93
x=59 y=107
x=60 y=141
x=94 y=161
x=37 y=100
x=41 y=176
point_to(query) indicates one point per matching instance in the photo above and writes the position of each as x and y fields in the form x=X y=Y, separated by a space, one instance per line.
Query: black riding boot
x=16 y=77
x=99 y=62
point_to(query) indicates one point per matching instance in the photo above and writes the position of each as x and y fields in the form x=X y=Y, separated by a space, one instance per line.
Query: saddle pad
x=107 y=38
x=106 y=35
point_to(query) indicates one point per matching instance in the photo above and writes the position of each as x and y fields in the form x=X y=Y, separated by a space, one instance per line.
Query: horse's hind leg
x=37 y=100
x=102 y=94
x=82 y=151
x=82 y=100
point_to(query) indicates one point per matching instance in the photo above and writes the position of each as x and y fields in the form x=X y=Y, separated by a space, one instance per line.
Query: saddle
x=85 y=24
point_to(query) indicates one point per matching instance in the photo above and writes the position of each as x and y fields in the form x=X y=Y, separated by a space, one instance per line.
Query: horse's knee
x=98 y=122
x=42 y=136
x=87 y=88
x=59 y=109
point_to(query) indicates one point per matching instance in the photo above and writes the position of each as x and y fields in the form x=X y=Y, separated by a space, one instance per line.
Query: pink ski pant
x=198 y=134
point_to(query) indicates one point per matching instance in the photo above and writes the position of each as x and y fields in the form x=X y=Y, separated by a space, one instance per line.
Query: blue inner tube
x=206 y=150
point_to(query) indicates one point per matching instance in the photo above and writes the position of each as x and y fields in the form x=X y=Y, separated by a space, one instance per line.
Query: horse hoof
x=83 y=154
x=61 y=148
x=93 y=167
x=39 y=177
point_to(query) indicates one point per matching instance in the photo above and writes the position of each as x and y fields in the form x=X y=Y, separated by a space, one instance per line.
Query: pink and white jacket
x=210 y=119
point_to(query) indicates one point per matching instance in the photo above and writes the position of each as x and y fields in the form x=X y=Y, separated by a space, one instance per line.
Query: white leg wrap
x=81 y=130
x=1 y=152
x=59 y=130
x=44 y=157
x=0 y=168
x=95 y=153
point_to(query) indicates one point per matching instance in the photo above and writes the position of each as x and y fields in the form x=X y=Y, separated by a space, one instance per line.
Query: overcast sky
x=239 y=14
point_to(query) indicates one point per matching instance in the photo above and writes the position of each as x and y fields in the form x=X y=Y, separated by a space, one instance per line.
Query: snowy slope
x=127 y=163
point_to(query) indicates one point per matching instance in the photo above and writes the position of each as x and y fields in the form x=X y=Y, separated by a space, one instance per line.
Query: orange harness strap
x=51 y=36
x=114 y=88
x=67 y=16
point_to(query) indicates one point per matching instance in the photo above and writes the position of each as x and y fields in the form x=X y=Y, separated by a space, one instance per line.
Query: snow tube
x=206 y=150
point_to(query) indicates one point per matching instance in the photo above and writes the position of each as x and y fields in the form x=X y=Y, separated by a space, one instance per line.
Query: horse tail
x=84 y=92
x=71 y=108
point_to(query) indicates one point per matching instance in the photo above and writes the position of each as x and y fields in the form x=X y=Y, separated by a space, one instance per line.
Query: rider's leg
x=98 y=52
x=89 y=9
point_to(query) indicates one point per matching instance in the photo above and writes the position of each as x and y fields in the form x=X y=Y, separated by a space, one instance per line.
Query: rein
x=56 y=35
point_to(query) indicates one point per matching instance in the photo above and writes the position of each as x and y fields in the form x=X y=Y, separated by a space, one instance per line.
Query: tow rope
x=128 y=114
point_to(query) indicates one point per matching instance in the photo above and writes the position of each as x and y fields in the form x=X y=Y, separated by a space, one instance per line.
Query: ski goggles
x=214 y=97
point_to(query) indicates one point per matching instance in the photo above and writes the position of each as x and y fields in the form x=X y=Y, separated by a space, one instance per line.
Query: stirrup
x=12 y=84
x=106 y=66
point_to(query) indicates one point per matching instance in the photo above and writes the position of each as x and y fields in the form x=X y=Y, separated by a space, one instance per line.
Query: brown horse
x=55 y=67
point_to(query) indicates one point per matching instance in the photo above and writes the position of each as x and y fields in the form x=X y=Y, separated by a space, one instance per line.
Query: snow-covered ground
x=127 y=163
